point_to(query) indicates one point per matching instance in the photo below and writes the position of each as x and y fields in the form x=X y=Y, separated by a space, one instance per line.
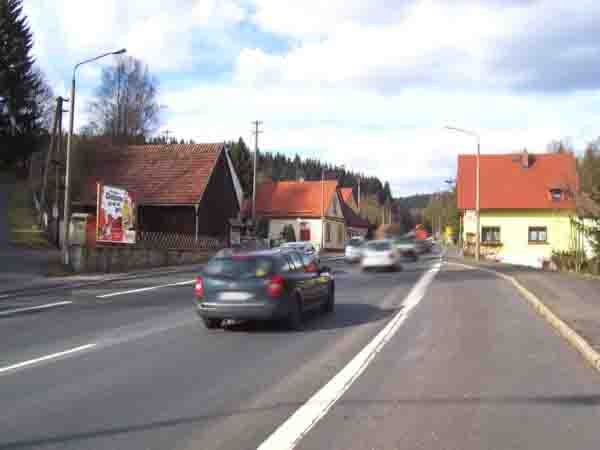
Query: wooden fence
x=176 y=241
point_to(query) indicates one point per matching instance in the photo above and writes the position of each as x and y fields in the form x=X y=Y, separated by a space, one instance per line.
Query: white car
x=304 y=247
x=353 y=251
x=380 y=254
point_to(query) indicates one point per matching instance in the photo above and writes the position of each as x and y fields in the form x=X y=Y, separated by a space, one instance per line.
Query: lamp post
x=67 y=211
x=477 y=186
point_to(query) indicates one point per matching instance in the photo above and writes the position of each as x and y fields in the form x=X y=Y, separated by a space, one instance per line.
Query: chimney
x=525 y=159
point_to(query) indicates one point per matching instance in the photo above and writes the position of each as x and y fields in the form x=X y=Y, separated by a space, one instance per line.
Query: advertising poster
x=116 y=215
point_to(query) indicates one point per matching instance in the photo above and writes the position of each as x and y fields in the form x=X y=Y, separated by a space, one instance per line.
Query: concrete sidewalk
x=39 y=286
x=573 y=298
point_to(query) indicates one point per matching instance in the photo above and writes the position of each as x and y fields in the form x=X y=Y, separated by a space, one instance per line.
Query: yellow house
x=527 y=205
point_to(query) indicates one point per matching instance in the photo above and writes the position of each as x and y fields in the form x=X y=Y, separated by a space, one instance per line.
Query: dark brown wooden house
x=183 y=189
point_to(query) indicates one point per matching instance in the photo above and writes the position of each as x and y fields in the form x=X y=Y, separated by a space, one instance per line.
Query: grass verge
x=24 y=230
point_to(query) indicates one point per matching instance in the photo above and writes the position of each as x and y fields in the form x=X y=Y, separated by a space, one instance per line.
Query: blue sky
x=368 y=84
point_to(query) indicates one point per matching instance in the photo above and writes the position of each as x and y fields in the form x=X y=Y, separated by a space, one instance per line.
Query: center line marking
x=133 y=291
x=291 y=432
x=46 y=358
x=33 y=308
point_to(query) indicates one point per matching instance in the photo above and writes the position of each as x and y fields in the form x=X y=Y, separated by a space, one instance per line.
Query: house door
x=304 y=232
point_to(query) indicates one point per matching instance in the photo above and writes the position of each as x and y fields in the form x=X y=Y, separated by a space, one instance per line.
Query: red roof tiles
x=294 y=198
x=155 y=174
x=506 y=184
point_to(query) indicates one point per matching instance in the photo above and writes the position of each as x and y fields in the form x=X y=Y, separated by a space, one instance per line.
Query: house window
x=556 y=195
x=340 y=233
x=538 y=235
x=328 y=232
x=490 y=235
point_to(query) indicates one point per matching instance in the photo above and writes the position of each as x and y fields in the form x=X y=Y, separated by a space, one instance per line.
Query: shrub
x=568 y=260
x=288 y=234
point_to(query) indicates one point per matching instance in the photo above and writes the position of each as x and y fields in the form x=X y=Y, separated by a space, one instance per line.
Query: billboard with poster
x=115 y=215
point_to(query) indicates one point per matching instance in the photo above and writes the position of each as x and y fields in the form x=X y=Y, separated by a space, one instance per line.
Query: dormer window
x=556 y=195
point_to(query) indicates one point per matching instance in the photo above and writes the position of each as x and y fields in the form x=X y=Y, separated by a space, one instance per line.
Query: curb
x=570 y=335
x=11 y=294
x=33 y=291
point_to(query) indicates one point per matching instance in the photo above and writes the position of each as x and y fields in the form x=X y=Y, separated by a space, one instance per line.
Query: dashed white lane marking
x=289 y=434
x=4 y=296
x=10 y=312
x=46 y=358
x=151 y=288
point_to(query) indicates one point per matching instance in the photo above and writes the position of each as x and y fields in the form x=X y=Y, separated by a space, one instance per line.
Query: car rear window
x=379 y=246
x=240 y=267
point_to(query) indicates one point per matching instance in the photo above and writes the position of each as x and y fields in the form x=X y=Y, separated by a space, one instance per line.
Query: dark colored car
x=264 y=285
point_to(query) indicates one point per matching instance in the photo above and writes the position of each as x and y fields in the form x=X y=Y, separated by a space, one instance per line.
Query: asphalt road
x=469 y=367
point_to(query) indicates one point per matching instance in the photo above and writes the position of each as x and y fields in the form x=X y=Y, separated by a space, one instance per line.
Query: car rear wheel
x=294 y=320
x=329 y=304
x=211 y=324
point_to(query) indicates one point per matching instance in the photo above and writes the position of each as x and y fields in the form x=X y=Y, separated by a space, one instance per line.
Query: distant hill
x=419 y=201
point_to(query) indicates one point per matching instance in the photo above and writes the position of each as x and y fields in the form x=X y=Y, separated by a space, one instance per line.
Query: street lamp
x=477 y=185
x=68 y=157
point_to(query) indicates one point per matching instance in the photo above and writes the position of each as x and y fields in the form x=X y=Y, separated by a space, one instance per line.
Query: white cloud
x=158 y=32
x=398 y=138
x=366 y=84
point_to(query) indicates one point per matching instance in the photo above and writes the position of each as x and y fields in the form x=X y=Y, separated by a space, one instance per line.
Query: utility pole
x=256 y=132
x=322 y=209
x=477 y=188
x=359 y=212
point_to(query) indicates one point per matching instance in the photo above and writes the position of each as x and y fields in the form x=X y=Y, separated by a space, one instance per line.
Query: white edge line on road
x=133 y=291
x=10 y=312
x=46 y=358
x=290 y=432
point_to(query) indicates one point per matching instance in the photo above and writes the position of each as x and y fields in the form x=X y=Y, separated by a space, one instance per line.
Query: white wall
x=338 y=235
x=276 y=227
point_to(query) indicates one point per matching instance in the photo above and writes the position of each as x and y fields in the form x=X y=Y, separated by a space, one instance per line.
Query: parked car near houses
x=264 y=285
x=407 y=248
x=353 y=250
x=380 y=254
x=304 y=247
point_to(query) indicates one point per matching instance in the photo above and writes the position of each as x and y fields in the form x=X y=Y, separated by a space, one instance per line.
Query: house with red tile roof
x=183 y=189
x=315 y=209
x=527 y=202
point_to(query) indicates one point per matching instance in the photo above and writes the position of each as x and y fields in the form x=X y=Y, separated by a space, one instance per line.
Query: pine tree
x=20 y=84
x=242 y=162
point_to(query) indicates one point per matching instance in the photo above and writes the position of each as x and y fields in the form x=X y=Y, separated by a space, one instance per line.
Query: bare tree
x=564 y=145
x=126 y=104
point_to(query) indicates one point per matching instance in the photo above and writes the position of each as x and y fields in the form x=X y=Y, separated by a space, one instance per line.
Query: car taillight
x=275 y=286
x=199 y=288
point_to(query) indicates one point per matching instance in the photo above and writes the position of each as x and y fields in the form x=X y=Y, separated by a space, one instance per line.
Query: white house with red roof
x=317 y=211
